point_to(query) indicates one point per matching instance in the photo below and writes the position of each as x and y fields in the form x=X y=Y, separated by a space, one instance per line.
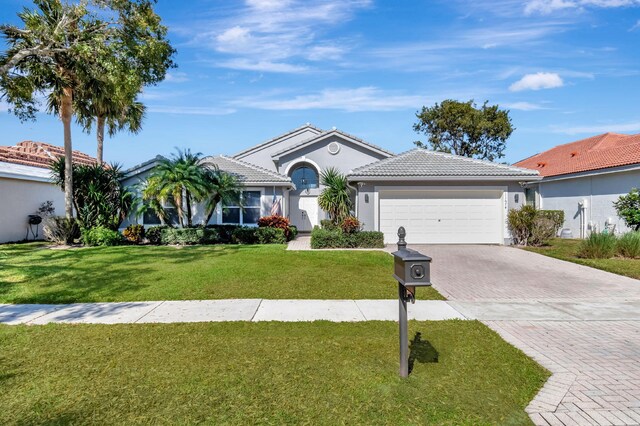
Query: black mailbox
x=411 y=268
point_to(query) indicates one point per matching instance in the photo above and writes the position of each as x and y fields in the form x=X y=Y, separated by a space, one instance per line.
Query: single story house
x=584 y=178
x=25 y=183
x=437 y=197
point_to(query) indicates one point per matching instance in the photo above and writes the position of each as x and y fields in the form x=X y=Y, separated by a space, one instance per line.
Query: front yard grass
x=262 y=373
x=567 y=249
x=32 y=273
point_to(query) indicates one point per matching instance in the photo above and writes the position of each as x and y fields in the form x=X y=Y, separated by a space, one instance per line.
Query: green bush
x=293 y=231
x=628 y=208
x=154 y=234
x=531 y=227
x=324 y=238
x=188 y=236
x=268 y=235
x=276 y=221
x=225 y=232
x=101 y=236
x=629 y=245
x=134 y=233
x=369 y=239
x=61 y=230
x=328 y=225
x=244 y=235
x=598 y=246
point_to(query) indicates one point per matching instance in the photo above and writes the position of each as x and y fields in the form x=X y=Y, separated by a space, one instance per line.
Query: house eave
x=596 y=172
x=277 y=156
x=364 y=178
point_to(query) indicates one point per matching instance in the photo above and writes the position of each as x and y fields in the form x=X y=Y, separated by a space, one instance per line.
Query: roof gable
x=247 y=173
x=326 y=135
x=307 y=128
x=420 y=163
x=593 y=153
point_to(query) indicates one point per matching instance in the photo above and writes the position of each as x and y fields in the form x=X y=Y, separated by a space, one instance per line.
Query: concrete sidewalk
x=224 y=310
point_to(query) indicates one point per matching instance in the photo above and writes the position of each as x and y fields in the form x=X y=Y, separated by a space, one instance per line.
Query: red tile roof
x=594 y=153
x=39 y=154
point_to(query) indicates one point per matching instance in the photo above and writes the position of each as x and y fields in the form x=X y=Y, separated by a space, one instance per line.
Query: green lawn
x=566 y=249
x=262 y=373
x=32 y=273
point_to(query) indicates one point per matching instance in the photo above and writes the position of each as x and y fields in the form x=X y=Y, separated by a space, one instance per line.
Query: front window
x=530 y=196
x=248 y=215
x=305 y=177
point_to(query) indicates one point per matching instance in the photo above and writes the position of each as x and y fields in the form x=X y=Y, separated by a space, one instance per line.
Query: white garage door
x=442 y=216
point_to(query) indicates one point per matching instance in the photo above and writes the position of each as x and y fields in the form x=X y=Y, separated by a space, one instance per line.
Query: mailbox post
x=411 y=270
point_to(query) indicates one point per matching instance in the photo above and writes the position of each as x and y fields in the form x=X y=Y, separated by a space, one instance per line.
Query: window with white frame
x=248 y=214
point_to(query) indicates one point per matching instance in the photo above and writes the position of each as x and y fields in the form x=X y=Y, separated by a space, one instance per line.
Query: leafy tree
x=335 y=198
x=50 y=57
x=138 y=55
x=99 y=198
x=463 y=129
x=628 y=208
x=179 y=180
x=222 y=188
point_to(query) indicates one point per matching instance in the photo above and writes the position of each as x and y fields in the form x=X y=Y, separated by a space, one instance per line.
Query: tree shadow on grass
x=421 y=351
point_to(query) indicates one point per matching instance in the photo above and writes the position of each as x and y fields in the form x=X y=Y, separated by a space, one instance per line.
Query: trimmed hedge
x=101 y=236
x=335 y=238
x=532 y=227
x=188 y=236
x=271 y=236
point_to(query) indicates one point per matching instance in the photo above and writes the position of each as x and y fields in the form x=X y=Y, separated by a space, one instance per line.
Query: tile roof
x=39 y=154
x=594 y=153
x=247 y=173
x=422 y=163
x=324 y=134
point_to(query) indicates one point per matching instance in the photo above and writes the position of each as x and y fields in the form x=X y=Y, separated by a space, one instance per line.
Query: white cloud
x=280 y=32
x=635 y=26
x=524 y=106
x=176 y=77
x=537 y=81
x=189 y=110
x=633 y=126
x=549 y=6
x=350 y=100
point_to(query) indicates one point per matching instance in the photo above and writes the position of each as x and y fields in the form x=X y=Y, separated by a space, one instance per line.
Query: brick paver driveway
x=580 y=323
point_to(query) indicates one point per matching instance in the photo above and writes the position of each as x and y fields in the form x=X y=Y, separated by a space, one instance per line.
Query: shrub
x=225 y=232
x=134 y=233
x=628 y=208
x=328 y=224
x=101 y=236
x=276 y=221
x=293 y=231
x=267 y=235
x=629 y=245
x=154 y=234
x=244 y=235
x=533 y=227
x=350 y=225
x=61 y=230
x=598 y=246
x=188 y=236
x=327 y=238
x=369 y=239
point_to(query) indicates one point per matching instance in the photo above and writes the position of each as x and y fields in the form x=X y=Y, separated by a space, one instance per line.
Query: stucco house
x=438 y=198
x=25 y=183
x=584 y=178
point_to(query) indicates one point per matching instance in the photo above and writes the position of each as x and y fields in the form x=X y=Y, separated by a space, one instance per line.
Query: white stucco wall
x=600 y=191
x=20 y=198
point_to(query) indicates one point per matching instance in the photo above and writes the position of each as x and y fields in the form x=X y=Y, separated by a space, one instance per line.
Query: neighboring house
x=25 y=183
x=438 y=198
x=584 y=178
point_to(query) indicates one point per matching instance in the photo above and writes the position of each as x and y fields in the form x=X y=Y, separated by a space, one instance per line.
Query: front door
x=303 y=212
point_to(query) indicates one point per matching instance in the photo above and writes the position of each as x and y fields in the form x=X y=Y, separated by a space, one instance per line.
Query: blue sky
x=250 y=70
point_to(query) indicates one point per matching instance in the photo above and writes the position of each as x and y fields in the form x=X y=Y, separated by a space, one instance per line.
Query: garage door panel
x=468 y=216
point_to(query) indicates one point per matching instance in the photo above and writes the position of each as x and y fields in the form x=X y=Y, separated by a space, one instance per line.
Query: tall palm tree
x=222 y=188
x=179 y=180
x=335 y=198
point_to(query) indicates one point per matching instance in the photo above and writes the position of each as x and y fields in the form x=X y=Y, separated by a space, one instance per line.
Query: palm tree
x=180 y=181
x=222 y=188
x=335 y=198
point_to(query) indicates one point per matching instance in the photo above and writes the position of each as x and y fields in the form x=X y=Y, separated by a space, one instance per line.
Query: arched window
x=305 y=177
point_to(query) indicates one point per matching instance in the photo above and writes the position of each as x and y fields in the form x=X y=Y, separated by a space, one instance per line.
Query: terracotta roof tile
x=39 y=154
x=594 y=153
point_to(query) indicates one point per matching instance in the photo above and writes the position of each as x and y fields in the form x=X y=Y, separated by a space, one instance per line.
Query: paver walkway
x=580 y=323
